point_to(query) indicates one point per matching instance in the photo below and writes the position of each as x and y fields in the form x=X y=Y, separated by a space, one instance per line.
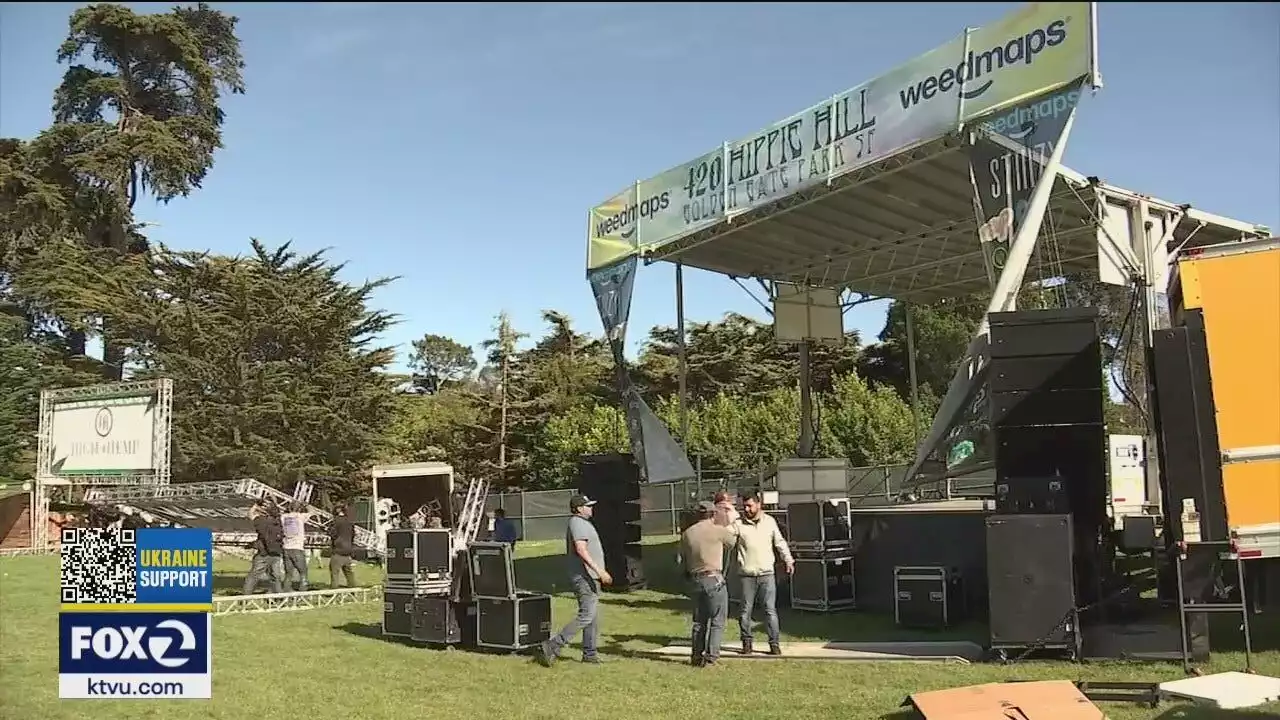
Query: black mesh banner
x=613 y=285
x=660 y=457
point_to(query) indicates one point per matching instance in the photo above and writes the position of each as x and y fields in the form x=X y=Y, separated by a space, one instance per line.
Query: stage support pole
x=1003 y=299
x=911 y=373
x=683 y=369
x=804 y=449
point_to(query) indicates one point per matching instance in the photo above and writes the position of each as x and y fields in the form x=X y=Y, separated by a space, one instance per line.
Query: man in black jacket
x=268 y=560
x=343 y=534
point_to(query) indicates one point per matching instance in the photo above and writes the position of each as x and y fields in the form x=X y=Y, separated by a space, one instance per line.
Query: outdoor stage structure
x=941 y=179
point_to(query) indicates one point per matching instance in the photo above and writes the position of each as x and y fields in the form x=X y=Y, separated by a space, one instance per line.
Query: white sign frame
x=158 y=394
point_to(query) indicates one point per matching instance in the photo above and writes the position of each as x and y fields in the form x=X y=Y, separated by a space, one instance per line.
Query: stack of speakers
x=1047 y=396
x=419 y=564
x=613 y=481
x=822 y=543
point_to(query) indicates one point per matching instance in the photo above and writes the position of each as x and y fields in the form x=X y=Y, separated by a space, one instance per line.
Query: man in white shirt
x=294 y=524
x=758 y=540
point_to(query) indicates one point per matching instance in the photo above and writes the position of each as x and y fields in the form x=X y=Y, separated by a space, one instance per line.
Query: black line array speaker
x=613 y=481
x=1187 y=428
x=1047 y=401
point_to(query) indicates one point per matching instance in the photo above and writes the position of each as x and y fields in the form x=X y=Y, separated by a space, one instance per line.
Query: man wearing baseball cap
x=702 y=551
x=585 y=557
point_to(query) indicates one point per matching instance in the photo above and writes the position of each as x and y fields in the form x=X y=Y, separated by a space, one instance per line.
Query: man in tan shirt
x=702 y=551
x=759 y=545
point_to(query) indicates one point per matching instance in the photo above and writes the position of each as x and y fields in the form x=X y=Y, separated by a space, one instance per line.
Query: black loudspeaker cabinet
x=610 y=478
x=1030 y=582
x=1047 y=407
x=1076 y=371
x=1190 y=459
x=928 y=597
x=513 y=624
x=624 y=564
x=819 y=525
x=419 y=555
x=1074 y=454
x=439 y=620
x=614 y=514
x=823 y=582
x=1032 y=495
x=615 y=534
x=492 y=570
x=1041 y=333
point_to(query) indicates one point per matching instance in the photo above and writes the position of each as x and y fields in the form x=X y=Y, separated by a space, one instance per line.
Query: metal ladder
x=472 y=514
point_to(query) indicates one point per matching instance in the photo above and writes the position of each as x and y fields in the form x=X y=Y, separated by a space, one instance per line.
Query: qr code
x=98 y=566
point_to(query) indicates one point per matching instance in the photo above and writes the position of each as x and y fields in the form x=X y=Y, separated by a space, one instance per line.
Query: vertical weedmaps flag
x=1005 y=173
x=659 y=456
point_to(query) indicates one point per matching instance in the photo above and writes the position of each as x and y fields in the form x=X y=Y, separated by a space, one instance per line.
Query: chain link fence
x=543 y=515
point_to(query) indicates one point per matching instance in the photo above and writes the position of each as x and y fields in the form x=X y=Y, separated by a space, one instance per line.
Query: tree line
x=278 y=367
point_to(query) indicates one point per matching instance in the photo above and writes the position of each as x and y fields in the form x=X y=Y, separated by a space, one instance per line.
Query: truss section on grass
x=294 y=601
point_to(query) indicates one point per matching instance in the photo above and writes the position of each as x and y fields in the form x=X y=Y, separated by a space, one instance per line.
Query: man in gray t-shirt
x=585 y=559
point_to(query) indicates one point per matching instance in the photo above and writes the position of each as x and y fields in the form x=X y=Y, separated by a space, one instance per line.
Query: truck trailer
x=1216 y=386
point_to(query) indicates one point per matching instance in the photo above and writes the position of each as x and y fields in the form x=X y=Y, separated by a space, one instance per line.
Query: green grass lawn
x=330 y=663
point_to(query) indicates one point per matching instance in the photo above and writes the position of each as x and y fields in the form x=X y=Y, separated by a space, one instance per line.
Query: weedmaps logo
x=626 y=220
x=973 y=77
x=1022 y=123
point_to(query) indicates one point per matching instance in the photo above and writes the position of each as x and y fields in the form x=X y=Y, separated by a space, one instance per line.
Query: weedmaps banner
x=1035 y=49
x=1005 y=171
x=660 y=458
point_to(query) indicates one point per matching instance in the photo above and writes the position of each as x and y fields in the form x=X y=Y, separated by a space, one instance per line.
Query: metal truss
x=161 y=431
x=20 y=552
x=244 y=487
x=295 y=601
x=898 y=161
x=314 y=541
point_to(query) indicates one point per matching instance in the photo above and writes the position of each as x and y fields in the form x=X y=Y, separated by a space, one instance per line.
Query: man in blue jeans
x=585 y=558
x=760 y=544
x=702 y=550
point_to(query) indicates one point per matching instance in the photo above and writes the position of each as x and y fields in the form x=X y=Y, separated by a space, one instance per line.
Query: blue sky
x=460 y=146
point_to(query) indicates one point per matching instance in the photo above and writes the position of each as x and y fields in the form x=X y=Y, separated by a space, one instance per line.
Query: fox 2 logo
x=135 y=643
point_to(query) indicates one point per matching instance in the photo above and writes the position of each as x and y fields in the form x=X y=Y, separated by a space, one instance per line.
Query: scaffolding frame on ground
x=294 y=601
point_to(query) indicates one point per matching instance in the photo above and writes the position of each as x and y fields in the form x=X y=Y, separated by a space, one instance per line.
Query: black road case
x=819 y=525
x=439 y=620
x=419 y=556
x=823 y=582
x=492 y=570
x=513 y=623
x=923 y=597
x=398 y=608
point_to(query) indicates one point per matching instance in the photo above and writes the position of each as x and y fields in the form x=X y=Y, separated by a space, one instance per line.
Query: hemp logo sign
x=103 y=422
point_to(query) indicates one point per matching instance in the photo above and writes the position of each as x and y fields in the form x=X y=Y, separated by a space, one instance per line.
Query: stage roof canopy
x=906 y=228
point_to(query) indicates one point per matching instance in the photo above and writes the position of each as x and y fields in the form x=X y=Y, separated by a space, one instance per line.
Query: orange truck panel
x=1239 y=295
